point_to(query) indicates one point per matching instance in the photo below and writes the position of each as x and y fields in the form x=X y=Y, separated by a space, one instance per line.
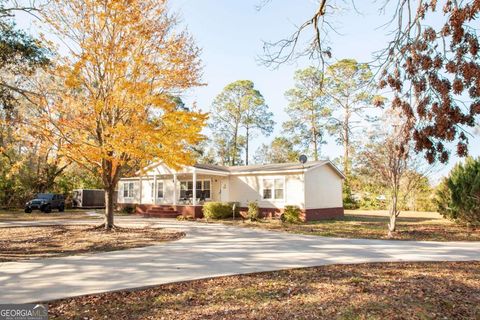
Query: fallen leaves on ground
x=20 y=243
x=444 y=290
x=19 y=215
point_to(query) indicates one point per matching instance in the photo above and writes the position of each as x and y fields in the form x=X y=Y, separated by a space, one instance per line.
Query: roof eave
x=334 y=167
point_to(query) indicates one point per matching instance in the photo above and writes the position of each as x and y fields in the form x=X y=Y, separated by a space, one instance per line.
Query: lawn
x=443 y=290
x=21 y=243
x=428 y=226
x=20 y=215
x=73 y=214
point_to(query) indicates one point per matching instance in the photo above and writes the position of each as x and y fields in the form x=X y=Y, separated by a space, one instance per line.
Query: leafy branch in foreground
x=113 y=109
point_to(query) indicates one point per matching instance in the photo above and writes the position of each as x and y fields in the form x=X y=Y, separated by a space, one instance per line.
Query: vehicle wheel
x=47 y=209
x=28 y=210
x=61 y=208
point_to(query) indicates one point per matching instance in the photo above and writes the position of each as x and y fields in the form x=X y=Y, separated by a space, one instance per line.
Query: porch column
x=141 y=186
x=155 y=189
x=194 y=194
x=175 y=189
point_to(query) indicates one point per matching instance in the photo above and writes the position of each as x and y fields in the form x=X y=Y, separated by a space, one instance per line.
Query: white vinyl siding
x=323 y=188
x=244 y=189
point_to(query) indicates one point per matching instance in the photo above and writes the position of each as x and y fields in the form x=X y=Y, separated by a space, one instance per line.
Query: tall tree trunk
x=110 y=180
x=392 y=225
x=315 y=144
x=346 y=143
x=235 y=146
x=109 y=193
x=313 y=123
x=246 y=147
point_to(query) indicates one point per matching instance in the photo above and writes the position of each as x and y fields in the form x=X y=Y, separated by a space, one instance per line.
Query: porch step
x=162 y=212
x=162 y=208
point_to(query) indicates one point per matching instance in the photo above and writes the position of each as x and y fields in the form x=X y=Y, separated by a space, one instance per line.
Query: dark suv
x=45 y=202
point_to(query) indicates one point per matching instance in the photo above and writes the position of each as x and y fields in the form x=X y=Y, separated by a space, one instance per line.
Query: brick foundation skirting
x=268 y=213
x=323 y=214
x=186 y=211
x=306 y=215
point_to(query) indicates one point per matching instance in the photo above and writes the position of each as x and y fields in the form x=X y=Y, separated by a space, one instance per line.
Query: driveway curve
x=208 y=250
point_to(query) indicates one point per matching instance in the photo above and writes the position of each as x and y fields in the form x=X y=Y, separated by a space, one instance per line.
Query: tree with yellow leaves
x=114 y=111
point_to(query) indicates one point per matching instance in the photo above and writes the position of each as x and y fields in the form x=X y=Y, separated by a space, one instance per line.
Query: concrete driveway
x=207 y=251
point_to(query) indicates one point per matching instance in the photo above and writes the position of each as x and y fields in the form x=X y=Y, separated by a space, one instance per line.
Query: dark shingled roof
x=262 y=167
x=211 y=167
x=276 y=166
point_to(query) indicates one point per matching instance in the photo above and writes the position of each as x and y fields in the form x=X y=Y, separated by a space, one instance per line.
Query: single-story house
x=315 y=187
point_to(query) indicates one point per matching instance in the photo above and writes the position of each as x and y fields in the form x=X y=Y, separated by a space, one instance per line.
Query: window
x=274 y=189
x=128 y=189
x=267 y=188
x=206 y=189
x=160 y=190
x=184 y=190
x=203 y=186
x=199 y=188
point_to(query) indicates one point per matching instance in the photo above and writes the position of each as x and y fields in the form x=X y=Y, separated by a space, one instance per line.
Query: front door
x=224 y=190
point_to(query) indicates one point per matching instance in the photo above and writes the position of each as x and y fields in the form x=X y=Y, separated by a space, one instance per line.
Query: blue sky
x=230 y=33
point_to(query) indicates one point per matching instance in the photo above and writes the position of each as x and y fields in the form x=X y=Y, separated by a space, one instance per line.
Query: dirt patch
x=444 y=290
x=20 y=243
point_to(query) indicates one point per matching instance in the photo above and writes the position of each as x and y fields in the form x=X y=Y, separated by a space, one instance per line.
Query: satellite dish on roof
x=303 y=158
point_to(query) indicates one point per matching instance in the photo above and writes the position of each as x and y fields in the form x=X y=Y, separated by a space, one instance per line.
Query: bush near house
x=291 y=214
x=128 y=209
x=458 y=196
x=253 y=211
x=218 y=210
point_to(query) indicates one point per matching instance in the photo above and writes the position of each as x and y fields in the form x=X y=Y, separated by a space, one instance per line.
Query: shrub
x=458 y=196
x=349 y=201
x=128 y=210
x=443 y=200
x=185 y=218
x=217 y=210
x=291 y=214
x=253 y=212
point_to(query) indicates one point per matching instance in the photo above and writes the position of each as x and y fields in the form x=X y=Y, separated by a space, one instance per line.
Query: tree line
x=319 y=105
